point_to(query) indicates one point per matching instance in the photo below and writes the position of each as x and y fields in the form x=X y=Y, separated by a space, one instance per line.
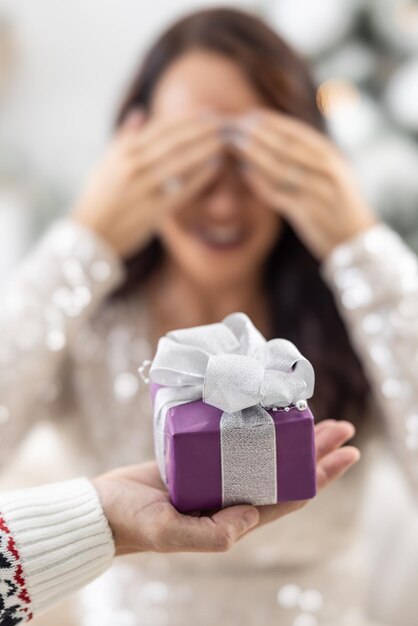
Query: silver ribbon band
x=231 y=366
x=248 y=454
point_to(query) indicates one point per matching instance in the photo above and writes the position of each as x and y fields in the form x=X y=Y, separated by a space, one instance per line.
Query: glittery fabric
x=375 y=281
x=231 y=366
x=84 y=379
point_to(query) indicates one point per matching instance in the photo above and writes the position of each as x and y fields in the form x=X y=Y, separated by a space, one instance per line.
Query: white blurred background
x=63 y=64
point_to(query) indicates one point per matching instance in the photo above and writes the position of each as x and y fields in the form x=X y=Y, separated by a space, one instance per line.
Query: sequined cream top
x=68 y=352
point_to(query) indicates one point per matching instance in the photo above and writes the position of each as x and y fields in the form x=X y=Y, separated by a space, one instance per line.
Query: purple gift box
x=231 y=421
x=193 y=460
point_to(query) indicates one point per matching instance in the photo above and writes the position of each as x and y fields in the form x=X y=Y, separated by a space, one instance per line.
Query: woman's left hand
x=298 y=172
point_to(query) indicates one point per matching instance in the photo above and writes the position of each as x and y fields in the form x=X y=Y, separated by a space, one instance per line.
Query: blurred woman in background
x=219 y=192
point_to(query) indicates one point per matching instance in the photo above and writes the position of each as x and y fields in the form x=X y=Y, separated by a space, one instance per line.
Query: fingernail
x=211 y=115
x=226 y=131
x=243 y=167
x=349 y=424
x=247 y=122
x=134 y=118
x=215 y=162
x=239 y=140
x=250 y=519
x=234 y=137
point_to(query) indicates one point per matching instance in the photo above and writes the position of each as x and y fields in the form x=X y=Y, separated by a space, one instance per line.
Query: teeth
x=221 y=235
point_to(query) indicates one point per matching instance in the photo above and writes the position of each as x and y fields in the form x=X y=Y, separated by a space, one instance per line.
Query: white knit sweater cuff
x=62 y=536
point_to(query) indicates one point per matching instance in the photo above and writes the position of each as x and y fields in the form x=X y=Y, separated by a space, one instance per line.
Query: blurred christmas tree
x=365 y=58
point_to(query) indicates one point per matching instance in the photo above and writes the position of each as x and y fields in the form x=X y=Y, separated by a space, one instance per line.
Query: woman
x=220 y=192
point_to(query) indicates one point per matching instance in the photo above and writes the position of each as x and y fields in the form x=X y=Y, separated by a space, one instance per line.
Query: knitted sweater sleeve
x=53 y=540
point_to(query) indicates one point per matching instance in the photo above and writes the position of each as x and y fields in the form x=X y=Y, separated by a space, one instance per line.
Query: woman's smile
x=220 y=238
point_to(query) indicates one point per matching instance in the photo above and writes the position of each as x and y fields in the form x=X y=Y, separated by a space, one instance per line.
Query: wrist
x=107 y=490
x=87 y=221
x=100 y=484
x=102 y=245
x=357 y=229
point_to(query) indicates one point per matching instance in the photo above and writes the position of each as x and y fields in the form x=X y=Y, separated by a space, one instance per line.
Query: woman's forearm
x=48 y=298
x=374 y=277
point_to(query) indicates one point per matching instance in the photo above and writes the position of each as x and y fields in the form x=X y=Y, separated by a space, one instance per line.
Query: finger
x=158 y=128
x=198 y=181
x=189 y=188
x=258 y=156
x=332 y=437
x=329 y=469
x=209 y=534
x=168 y=144
x=296 y=130
x=285 y=203
x=133 y=121
x=131 y=127
x=335 y=464
x=299 y=209
x=285 y=173
x=288 y=187
x=196 y=170
x=283 y=149
x=182 y=165
x=323 y=424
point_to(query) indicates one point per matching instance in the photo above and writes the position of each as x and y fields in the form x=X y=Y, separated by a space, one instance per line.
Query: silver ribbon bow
x=231 y=366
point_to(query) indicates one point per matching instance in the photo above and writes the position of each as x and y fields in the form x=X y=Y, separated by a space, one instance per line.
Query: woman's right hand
x=149 y=168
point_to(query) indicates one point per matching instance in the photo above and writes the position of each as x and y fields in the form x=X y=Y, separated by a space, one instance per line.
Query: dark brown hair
x=302 y=306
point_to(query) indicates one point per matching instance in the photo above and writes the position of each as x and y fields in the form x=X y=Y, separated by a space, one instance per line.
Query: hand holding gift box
x=231 y=421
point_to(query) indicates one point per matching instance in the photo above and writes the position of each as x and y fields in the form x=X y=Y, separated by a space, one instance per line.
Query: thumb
x=236 y=521
x=210 y=534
